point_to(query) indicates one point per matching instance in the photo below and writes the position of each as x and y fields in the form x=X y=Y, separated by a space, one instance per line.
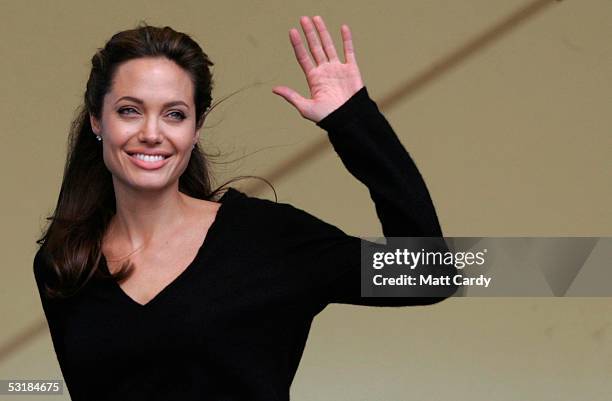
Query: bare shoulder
x=202 y=211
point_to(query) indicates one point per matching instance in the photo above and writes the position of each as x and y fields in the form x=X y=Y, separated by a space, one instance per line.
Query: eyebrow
x=140 y=101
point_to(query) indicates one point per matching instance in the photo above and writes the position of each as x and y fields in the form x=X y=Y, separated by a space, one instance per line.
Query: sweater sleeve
x=370 y=150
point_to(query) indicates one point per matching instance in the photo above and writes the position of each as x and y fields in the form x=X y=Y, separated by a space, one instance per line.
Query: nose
x=150 y=132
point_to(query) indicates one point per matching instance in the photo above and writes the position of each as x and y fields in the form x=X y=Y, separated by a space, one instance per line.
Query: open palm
x=331 y=82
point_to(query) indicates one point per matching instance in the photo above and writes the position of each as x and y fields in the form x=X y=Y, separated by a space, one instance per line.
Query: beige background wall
x=514 y=141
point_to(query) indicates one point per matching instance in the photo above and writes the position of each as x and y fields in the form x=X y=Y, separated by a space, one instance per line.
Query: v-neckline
x=204 y=247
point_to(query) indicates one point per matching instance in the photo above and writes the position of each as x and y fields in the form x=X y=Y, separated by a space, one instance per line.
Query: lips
x=149 y=160
x=149 y=152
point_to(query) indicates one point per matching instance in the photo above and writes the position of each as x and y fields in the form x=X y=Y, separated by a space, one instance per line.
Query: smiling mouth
x=148 y=158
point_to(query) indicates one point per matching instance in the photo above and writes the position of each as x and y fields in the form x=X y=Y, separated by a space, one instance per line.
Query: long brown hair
x=72 y=241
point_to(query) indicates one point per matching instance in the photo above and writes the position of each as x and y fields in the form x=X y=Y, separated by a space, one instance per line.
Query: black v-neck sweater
x=233 y=324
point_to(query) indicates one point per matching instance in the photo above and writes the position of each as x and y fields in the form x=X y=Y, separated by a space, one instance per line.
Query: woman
x=207 y=299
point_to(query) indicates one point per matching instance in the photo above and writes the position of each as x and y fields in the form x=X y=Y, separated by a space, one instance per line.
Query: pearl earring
x=98 y=137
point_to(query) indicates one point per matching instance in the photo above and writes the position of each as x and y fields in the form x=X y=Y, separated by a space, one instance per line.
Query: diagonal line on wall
x=301 y=158
x=24 y=337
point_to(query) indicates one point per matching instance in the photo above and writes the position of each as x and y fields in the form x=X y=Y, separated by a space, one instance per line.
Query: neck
x=144 y=217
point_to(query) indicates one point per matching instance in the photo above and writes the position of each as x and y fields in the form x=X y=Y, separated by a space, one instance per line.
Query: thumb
x=299 y=102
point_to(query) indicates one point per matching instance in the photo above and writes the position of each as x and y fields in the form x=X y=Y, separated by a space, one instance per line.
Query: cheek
x=182 y=142
x=186 y=154
x=185 y=160
x=112 y=152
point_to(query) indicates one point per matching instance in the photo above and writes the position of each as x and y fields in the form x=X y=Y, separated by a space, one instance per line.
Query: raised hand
x=331 y=82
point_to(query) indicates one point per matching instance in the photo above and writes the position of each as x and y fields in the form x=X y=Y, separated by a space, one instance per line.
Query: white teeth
x=149 y=158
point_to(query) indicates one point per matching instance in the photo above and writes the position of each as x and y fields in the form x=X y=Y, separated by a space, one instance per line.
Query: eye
x=124 y=109
x=177 y=115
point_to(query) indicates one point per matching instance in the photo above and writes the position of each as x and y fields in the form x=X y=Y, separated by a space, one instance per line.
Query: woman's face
x=148 y=124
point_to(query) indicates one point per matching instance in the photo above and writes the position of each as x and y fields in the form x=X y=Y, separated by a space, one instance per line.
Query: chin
x=152 y=186
x=142 y=184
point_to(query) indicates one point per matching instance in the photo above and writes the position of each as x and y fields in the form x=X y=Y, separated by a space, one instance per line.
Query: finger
x=326 y=40
x=347 y=40
x=300 y=51
x=292 y=97
x=313 y=40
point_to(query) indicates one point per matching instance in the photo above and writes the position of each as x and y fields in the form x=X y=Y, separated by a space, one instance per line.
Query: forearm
x=372 y=152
